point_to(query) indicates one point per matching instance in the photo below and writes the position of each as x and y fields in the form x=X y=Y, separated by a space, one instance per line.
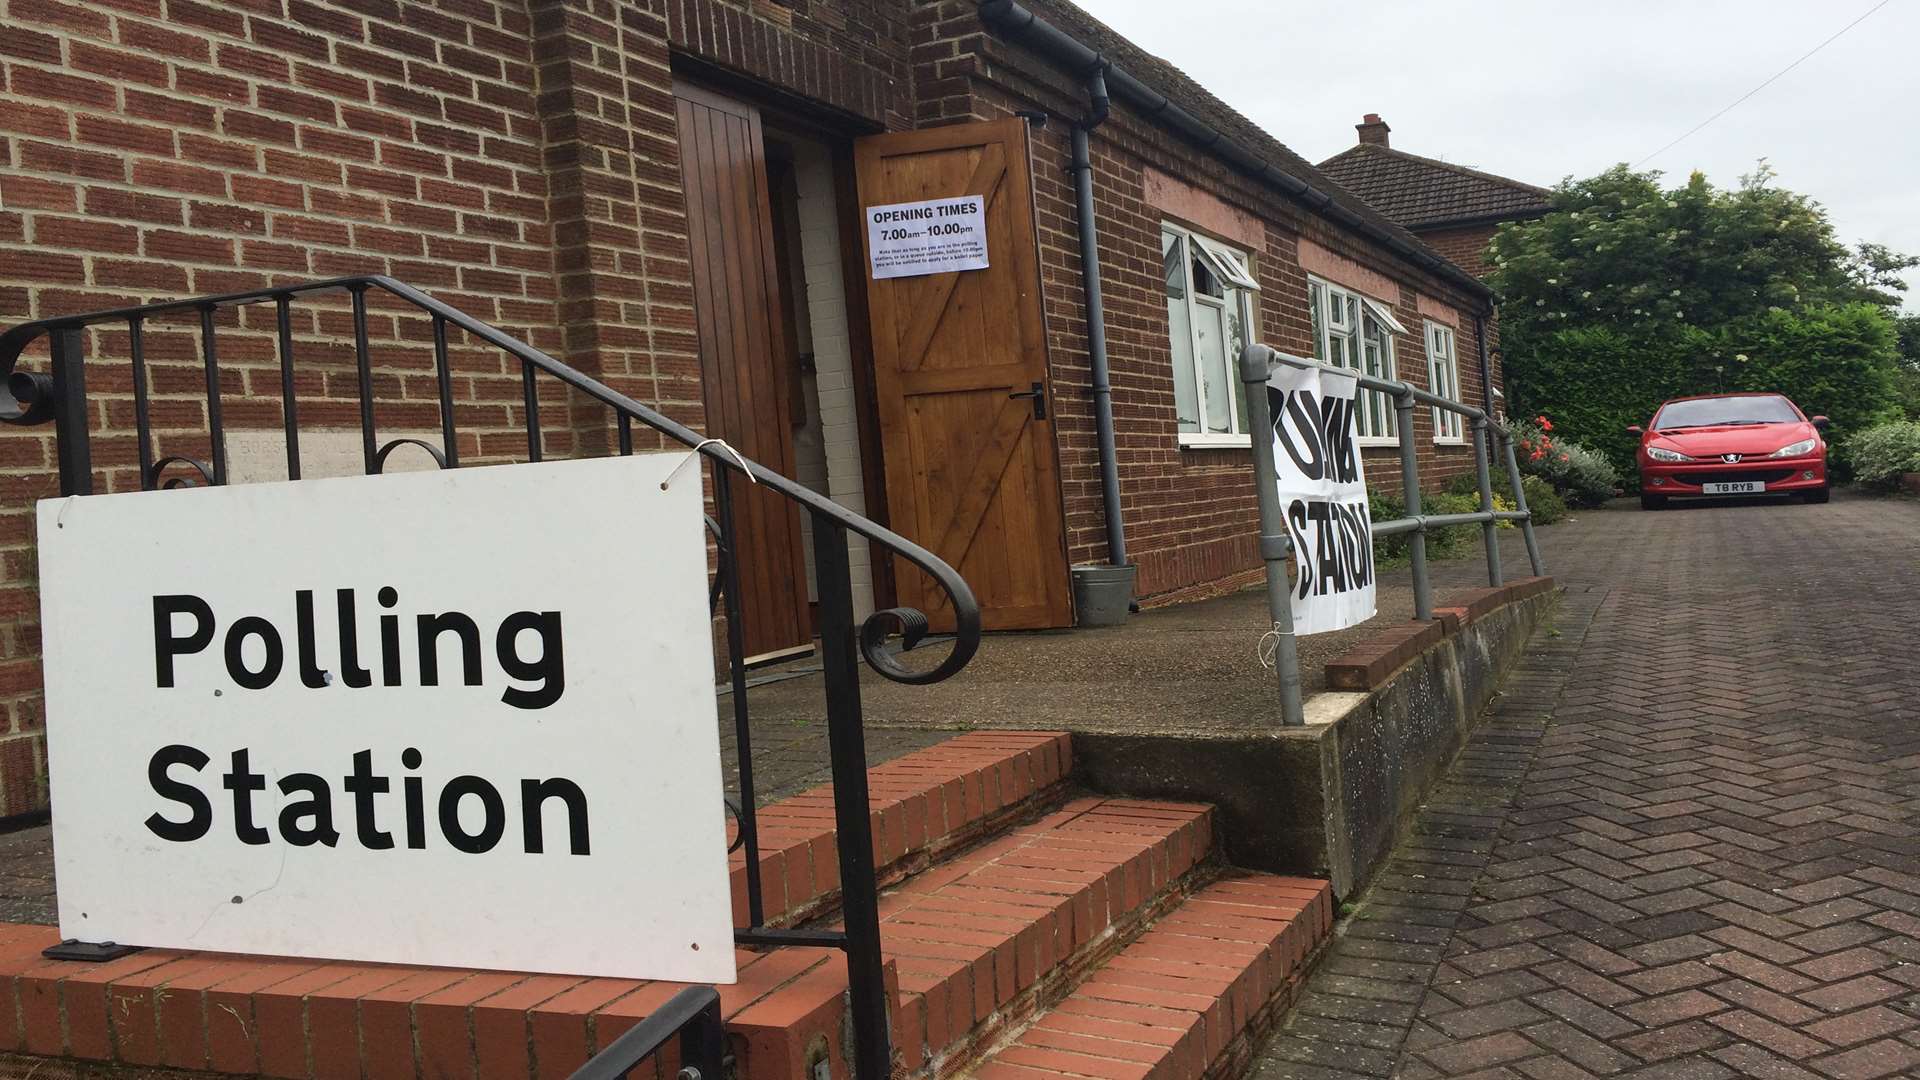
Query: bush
x=1546 y=503
x=1581 y=476
x=1450 y=541
x=1880 y=454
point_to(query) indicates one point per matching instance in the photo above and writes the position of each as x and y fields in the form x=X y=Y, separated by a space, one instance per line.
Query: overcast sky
x=1542 y=89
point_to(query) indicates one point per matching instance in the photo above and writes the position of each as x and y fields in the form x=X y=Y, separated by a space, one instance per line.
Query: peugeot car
x=1731 y=444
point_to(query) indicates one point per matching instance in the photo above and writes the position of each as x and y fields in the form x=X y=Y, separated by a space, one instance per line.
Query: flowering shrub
x=1583 y=477
x=1881 y=453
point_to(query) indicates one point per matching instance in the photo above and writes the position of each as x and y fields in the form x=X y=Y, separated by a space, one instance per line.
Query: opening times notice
x=938 y=236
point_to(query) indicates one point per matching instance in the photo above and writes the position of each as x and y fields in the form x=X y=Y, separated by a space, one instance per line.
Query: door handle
x=1039 y=396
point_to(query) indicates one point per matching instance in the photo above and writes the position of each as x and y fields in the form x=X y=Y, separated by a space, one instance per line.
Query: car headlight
x=1804 y=446
x=1661 y=453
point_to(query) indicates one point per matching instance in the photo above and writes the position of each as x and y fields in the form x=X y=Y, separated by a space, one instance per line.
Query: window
x=1443 y=378
x=1210 y=307
x=1355 y=331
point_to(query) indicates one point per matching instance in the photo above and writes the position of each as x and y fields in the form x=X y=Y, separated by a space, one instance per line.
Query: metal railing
x=59 y=396
x=1256 y=365
x=694 y=1015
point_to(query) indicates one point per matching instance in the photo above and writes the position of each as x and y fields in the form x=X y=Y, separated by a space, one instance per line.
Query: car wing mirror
x=1635 y=429
x=1822 y=422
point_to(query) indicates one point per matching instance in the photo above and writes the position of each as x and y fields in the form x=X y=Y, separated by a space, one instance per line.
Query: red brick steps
x=1042 y=916
x=971 y=937
x=1188 y=998
x=923 y=803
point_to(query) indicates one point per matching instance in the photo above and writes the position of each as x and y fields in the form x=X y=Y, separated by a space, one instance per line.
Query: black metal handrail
x=693 y=1014
x=58 y=395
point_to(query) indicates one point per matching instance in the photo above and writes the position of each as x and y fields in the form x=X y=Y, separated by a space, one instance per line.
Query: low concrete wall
x=1329 y=799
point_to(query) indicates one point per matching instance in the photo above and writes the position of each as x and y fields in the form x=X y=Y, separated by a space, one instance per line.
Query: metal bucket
x=1102 y=595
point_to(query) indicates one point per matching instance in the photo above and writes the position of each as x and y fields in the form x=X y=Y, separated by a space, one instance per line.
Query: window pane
x=1211 y=339
x=1173 y=265
x=1205 y=281
x=1186 y=401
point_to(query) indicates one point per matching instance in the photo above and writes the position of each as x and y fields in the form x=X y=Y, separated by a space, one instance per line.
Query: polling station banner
x=460 y=718
x=1323 y=496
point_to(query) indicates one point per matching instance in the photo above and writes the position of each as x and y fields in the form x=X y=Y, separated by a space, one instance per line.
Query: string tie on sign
x=695 y=452
x=1268 y=645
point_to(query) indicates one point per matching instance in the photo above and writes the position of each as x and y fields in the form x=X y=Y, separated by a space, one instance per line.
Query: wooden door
x=737 y=298
x=971 y=469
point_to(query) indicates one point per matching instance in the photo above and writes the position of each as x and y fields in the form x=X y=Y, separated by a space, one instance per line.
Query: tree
x=1626 y=293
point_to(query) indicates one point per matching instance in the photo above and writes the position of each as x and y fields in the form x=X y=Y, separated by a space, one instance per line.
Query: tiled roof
x=1196 y=99
x=1422 y=193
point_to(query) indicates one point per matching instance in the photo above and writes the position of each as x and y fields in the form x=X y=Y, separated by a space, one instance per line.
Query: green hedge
x=1594 y=381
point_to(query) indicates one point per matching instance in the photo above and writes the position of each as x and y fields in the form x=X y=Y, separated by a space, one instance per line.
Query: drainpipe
x=1103 y=595
x=1097 y=316
x=1486 y=364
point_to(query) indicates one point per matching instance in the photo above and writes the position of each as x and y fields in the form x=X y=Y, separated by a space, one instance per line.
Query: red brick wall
x=151 y=151
x=1465 y=248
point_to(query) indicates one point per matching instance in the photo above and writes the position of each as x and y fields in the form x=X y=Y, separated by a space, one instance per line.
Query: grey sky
x=1540 y=90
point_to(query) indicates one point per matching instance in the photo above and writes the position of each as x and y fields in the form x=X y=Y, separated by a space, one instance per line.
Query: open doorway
x=810 y=262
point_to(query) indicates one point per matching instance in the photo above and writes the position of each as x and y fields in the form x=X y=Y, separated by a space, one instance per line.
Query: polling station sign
x=449 y=718
x=1323 y=496
x=937 y=236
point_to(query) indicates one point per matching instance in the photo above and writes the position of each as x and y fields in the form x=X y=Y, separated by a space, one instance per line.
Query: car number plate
x=1737 y=487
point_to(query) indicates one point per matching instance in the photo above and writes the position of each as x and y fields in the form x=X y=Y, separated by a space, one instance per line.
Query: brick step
x=974 y=944
x=922 y=804
x=979 y=941
x=1188 y=998
x=299 y=1019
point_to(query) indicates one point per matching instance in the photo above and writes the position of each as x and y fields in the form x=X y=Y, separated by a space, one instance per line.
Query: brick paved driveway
x=1705 y=864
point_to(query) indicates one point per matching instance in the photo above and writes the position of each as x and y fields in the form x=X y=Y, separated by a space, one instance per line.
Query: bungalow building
x=678 y=198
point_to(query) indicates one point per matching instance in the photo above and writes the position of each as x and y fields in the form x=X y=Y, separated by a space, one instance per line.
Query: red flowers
x=1545 y=424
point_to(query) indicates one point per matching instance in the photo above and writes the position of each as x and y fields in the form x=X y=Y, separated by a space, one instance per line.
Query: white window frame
x=1443 y=380
x=1375 y=421
x=1232 y=268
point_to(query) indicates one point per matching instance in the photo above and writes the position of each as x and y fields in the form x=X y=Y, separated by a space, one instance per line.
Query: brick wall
x=152 y=150
x=1465 y=248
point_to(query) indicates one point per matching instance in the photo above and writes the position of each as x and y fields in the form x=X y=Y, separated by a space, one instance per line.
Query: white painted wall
x=831 y=405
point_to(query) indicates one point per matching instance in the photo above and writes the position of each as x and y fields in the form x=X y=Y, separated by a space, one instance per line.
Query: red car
x=1731 y=444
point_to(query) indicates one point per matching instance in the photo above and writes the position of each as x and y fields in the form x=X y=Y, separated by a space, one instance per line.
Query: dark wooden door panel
x=743 y=352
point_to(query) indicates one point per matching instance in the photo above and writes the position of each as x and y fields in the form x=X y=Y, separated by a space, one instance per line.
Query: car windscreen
x=1704 y=412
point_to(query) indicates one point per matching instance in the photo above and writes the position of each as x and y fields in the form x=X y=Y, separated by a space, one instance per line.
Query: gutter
x=1020 y=25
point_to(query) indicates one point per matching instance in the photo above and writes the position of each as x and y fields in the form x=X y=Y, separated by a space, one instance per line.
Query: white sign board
x=1323 y=496
x=933 y=237
x=458 y=718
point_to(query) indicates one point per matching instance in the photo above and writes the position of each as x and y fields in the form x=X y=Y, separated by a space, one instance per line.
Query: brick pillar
x=612 y=160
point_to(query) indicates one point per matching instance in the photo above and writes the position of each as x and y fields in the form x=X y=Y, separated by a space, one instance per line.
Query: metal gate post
x=847 y=747
x=1410 y=491
x=71 y=423
x=1489 y=529
x=1520 y=504
x=1274 y=543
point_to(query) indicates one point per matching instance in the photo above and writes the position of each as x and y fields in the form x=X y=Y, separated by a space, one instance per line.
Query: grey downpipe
x=1097 y=316
x=1486 y=361
x=1021 y=25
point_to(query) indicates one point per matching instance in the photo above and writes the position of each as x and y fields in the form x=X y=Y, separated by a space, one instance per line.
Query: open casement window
x=1443 y=377
x=1210 y=305
x=1356 y=332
